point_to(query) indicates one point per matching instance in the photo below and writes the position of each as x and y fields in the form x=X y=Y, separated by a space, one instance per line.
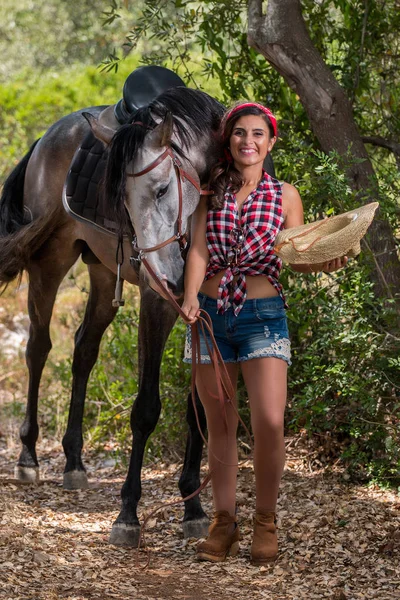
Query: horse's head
x=161 y=191
x=152 y=174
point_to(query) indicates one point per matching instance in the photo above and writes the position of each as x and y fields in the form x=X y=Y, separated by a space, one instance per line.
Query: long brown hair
x=224 y=173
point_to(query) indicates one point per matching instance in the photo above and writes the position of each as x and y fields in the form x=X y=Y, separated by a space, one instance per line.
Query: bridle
x=181 y=176
x=180 y=237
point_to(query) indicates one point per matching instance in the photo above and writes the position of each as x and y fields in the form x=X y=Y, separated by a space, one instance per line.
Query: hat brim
x=326 y=239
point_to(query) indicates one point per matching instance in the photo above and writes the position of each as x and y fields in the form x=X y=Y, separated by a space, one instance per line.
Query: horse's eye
x=162 y=192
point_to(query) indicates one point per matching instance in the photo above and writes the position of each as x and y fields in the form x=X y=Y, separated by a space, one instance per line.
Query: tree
x=280 y=34
x=349 y=38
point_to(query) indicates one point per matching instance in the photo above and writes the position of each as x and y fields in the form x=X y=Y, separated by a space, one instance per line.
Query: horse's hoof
x=197 y=528
x=75 y=480
x=27 y=474
x=125 y=535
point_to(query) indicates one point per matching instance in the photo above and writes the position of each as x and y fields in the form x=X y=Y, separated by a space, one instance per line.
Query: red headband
x=264 y=109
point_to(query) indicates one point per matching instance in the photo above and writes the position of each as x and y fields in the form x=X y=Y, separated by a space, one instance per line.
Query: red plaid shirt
x=244 y=244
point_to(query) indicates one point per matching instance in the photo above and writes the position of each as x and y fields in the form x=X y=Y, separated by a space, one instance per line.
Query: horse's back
x=48 y=166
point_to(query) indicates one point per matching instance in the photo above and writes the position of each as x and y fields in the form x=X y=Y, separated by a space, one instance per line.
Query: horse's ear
x=162 y=134
x=102 y=132
x=167 y=129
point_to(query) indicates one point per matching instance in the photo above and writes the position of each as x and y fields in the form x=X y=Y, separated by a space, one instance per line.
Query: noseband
x=181 y=176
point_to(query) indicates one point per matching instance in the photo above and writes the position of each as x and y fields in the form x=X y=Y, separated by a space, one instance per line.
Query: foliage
x=359 y=41
x=175 y=32
x=344 y=384
x=73 y=34
x=345 y=379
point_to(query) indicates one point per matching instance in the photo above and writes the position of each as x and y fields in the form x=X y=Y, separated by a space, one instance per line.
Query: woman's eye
x=161 y=192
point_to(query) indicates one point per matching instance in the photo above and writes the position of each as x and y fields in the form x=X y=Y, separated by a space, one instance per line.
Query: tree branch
x=377 y=140
x=363 y=32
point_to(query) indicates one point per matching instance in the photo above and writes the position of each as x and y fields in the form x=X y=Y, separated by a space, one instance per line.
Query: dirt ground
x=337 y=540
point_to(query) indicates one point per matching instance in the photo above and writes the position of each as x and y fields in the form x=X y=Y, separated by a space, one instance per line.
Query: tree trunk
x=280 y=34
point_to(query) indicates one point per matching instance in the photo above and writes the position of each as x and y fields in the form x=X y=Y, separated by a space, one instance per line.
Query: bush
x=344 y=383
x=31 y=103
x=344 y=380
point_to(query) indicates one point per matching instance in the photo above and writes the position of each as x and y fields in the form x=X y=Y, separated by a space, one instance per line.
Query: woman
x=232 y=273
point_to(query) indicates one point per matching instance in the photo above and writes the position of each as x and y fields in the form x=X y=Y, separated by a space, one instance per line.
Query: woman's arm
x=294 y=216
x=196 y=261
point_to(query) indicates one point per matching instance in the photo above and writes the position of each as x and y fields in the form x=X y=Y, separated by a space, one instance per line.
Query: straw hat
x=326 y=240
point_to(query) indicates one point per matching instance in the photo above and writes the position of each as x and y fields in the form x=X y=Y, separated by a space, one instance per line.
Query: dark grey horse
x=50 y=244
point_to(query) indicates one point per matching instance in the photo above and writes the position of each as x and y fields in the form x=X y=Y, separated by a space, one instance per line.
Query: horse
x=38 y=235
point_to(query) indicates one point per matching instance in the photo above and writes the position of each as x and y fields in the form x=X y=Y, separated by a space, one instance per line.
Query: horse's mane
x=195 y=114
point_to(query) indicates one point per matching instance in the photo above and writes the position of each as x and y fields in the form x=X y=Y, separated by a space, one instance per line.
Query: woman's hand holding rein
x=191 y=308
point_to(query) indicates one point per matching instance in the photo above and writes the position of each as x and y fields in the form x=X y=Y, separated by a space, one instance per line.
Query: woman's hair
x=225 y=172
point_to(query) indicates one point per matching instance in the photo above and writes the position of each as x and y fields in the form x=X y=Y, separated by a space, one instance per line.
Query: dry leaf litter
x=337 y=541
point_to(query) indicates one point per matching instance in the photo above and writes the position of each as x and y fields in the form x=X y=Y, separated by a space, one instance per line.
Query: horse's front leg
x=157 y=318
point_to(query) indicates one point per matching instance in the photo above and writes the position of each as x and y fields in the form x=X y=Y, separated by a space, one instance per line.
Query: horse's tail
x=12 y=197
x=18 y=240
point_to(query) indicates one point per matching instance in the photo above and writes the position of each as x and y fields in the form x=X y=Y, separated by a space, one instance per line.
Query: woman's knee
x=267 y=426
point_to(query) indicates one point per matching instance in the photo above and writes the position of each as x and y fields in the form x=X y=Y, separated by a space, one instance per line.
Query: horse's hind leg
x=45 y=276
x=99 y=314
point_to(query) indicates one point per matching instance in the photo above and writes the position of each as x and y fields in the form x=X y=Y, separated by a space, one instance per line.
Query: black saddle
x=81 y=196
x=141 y=87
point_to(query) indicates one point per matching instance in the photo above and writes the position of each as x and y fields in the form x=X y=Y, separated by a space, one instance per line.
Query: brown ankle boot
x=265 y=543
x=223 y=539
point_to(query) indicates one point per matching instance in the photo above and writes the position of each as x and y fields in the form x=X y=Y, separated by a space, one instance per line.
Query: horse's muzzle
x=164 y=287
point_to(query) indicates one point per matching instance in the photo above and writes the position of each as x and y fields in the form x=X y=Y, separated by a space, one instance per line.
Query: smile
x=247 y=151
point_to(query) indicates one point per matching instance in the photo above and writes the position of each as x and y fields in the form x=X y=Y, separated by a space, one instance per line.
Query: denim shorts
x=260 y=330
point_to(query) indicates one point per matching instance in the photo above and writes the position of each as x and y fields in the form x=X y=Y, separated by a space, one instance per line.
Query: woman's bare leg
x=222 y=444
x=266 y=384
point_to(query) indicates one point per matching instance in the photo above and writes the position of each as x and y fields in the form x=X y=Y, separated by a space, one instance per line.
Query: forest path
x=337 y=541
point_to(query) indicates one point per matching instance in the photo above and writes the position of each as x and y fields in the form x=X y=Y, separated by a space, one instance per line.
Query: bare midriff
x=258 y=286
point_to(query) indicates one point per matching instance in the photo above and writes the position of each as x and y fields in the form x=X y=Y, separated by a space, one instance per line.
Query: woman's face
x=250 y=141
